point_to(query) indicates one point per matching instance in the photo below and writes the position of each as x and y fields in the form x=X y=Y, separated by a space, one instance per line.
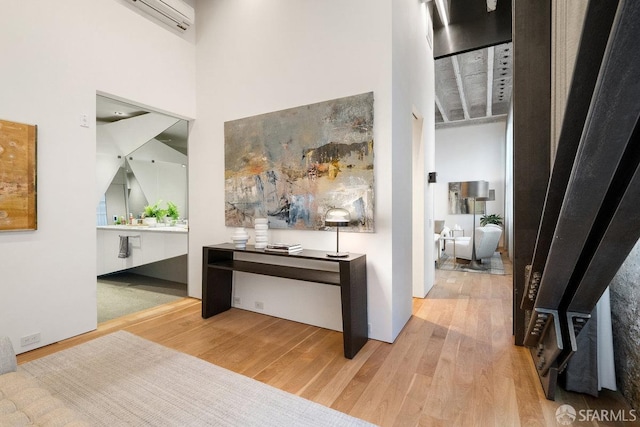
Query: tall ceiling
x=474 y=60
x=474 y=85
x=473 y=67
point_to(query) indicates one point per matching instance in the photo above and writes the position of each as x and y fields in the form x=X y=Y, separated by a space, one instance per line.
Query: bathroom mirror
x=141 y=160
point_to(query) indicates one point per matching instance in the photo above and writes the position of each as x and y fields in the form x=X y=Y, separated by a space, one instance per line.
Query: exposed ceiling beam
x=478 y=121
x=463 y=98
x=489 y=80
x=443 y=113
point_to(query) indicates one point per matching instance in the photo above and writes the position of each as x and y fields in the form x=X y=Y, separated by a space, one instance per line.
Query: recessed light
x=118 y=113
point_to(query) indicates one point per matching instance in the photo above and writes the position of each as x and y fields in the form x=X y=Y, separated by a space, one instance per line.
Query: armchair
x=440 y=244
x=487 y=239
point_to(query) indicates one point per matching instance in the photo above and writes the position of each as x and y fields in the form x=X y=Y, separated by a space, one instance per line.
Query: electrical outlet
x=369 y=328
x=30 y=339
x=259 y=305
x=236 y=301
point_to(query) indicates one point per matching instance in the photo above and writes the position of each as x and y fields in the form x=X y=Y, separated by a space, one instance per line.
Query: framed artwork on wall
x=17 y=176
x=291 y=166
x=459 y=205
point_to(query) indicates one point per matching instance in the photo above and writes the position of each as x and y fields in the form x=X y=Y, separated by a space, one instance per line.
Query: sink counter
x=156 y=229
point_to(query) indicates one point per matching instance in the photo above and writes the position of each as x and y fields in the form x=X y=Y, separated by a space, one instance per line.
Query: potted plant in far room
x=172 y=212
x=153 y=214
x=490 y=219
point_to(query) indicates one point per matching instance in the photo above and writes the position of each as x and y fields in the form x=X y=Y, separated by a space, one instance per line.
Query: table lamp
x=337 y=217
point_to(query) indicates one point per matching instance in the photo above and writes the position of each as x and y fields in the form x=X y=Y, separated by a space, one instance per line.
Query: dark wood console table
x=218 y=265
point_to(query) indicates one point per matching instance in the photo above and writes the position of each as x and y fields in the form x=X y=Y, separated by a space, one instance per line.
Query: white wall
x=413 y=95
x=253 y=58
x=470 y=153
x=55 y=57
x=508 y=184
x=258 y=57
x=418 y=223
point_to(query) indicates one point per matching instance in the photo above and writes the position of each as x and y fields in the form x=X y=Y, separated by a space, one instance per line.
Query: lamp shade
x=337 y=217
x=474 y=189
x=490 y=198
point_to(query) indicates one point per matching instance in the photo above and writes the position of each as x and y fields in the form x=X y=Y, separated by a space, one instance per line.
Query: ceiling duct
x=175 y=13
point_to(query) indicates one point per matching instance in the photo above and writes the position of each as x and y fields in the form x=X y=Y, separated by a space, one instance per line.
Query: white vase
x=240 y=238
x=150 y=221
x=261 y=226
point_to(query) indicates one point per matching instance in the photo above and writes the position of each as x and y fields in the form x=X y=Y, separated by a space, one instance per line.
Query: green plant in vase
x=491 y=219
x=172 y=211
x=154 y=211
x=149 y=211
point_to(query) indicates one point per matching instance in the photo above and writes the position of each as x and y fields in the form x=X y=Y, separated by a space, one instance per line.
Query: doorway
x=423 y=265
x=142 y=207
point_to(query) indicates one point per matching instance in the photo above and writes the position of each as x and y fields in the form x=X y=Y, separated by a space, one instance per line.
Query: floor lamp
x=475 y=190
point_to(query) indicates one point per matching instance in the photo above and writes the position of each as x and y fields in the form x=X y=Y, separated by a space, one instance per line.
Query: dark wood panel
x=531 y=135
x=598 y=20
x=354 y=305
x=312 y=254
x=217 y=286
x=296 y=273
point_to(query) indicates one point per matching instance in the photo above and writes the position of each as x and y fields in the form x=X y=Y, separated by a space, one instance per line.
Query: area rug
x=123 y=380
x=492 y=265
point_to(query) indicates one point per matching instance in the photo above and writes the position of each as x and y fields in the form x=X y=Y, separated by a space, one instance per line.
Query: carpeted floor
x=492 y=265
x=125 y=293
x=121 y=379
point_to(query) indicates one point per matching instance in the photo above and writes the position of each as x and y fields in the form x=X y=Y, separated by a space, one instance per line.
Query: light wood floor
x=454 y=363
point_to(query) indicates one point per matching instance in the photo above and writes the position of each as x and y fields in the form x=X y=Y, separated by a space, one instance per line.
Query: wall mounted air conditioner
x=174 y=13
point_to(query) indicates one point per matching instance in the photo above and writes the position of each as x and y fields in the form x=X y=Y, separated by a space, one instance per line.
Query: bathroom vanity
x=146 y=245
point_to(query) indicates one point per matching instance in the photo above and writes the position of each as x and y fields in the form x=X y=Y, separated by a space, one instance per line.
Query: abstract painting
x=458 y=205
x=291 y=166
x=17 y=176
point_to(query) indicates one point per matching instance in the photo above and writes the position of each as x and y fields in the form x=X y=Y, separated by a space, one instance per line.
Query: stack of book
x=283 y=248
